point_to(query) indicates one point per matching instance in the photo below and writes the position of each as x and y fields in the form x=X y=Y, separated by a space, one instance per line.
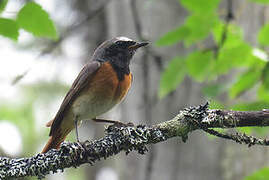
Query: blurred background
x=200 y=50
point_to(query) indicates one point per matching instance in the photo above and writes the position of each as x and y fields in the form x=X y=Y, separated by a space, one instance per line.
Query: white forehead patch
x=122 y=38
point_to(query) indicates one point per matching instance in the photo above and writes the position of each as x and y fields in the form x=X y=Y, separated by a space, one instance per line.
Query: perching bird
x=102 y=83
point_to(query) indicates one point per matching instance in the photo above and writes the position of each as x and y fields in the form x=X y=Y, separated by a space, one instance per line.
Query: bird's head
x=118 y=51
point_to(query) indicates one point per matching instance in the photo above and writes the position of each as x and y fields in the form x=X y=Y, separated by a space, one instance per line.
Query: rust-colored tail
x=54 y=142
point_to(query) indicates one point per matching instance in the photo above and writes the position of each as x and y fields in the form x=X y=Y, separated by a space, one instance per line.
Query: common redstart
x=102 y=83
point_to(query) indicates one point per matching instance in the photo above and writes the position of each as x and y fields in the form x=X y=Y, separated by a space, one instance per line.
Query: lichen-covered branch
x=135 y=138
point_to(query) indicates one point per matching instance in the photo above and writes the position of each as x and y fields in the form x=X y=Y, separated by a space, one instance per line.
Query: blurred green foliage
x=260 y=1
x=9 y=28
x=3 y=4
x=199 y=64
x=200 y=6
x=263 y=37
x=228 y=53
x=172 y=76
x=205 y=64
x=22 y=117
x=261 y=174
x=22 y=114
x=31 y=18
x=245 y=81
x=34 y=19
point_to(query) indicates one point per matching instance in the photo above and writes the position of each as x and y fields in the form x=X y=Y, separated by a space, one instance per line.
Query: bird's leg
x=112 y=121
x=76 y=126
x=106 y=121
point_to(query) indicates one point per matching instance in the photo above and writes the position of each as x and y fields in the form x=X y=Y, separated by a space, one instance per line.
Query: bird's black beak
x=137 y=45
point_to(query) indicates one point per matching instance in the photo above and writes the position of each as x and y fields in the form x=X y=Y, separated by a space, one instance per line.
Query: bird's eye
x=120 y=43
x=124 y=44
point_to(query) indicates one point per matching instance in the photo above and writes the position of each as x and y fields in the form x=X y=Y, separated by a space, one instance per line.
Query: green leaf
x=216 y=105
x=246 y=130
x=231 y=57
x=199 y=26
x=261 y=131
x=196 y=28
x=3 y=4
x=263 y=35
x=265 y=76
x=34 y=19
x=260 y=1
x=245 y=82
x=199 y=64
x=173 y=36
x=263 y=93
x=257 y=59
x=234 y=34
x=261 y=174
x=9 y=28
x=213 y=90
x=253 y=106
x=172 y=76
x=200 y=6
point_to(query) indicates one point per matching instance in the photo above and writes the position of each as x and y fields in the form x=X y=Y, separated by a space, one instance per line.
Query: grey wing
x=80 y=82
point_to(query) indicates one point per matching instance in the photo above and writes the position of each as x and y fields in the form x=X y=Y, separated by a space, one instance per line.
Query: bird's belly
x=89 y=106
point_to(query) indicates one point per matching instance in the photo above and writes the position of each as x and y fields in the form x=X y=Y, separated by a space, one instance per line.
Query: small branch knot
x=197 y=113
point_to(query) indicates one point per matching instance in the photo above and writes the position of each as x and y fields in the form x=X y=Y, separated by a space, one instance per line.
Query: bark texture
x=133 y=138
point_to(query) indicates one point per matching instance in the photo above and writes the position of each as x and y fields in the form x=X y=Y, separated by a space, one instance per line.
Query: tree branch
x=135 y=138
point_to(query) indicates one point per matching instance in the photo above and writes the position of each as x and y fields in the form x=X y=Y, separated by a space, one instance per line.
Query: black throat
x=121 y=68
x=119 y=57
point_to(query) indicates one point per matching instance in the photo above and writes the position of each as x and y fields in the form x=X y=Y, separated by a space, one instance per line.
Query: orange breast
x=123 y=87
x=104 y=91
x=106 y=84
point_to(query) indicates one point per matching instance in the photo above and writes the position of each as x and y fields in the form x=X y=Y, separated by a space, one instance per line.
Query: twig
x=52 y=45
x=228 y=18
x=93 y=13
x=134 y=138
